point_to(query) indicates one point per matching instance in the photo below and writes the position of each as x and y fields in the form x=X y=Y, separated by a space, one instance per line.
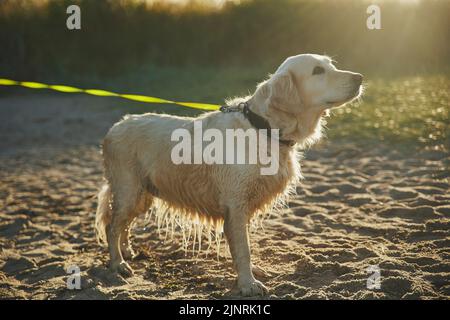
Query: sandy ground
x=356 y=208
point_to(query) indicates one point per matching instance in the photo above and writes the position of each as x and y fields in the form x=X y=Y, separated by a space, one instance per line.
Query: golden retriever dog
x=140 y=172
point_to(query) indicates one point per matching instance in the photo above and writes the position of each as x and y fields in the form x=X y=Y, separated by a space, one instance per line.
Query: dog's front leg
x=236 y=232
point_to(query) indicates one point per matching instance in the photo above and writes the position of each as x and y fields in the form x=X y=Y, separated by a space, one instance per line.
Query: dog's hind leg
x=144 y=203
x=125 y=195
x=125 y=244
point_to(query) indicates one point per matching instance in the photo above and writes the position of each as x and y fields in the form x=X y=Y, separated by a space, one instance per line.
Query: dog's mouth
x=353 y=94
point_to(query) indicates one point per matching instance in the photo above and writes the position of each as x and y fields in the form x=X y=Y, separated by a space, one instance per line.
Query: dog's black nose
x=357 y=79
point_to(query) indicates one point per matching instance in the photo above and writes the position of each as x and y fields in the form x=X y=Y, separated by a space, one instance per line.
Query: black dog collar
x=255 y=120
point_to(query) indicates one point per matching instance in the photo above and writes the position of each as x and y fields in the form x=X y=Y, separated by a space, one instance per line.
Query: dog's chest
x=266 y=189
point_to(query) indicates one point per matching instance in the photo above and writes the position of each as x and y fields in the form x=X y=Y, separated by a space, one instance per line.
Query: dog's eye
x=318 y=70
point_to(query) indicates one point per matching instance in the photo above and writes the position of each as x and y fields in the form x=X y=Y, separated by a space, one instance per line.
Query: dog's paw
x=251 y=288
x=122 y=268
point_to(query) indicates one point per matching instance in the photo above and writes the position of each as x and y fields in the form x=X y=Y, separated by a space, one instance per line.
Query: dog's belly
x=207 y=191
x=188 y=189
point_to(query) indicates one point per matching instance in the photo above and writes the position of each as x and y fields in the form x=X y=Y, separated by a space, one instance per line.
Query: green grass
x=404 y=111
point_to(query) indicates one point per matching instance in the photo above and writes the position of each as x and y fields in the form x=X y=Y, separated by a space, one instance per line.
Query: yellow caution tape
x=104 y=93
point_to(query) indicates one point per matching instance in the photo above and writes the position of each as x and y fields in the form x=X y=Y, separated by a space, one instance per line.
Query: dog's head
x=311 y=81
x=302 y=89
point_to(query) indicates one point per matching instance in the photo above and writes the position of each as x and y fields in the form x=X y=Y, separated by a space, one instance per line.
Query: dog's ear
x=280 y=101
x=283 y=92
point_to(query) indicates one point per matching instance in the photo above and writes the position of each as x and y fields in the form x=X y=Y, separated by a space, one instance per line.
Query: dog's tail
x=103 y=215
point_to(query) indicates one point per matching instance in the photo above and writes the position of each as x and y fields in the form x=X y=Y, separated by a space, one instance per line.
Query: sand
x=357 y=207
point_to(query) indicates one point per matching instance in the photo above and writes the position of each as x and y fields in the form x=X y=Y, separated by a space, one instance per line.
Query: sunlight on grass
x=411 y=110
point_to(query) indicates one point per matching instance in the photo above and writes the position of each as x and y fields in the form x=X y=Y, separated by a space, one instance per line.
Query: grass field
x=410 y=110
